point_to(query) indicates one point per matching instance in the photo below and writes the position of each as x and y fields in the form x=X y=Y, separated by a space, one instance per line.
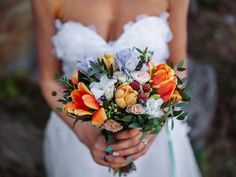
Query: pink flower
x=141 y=76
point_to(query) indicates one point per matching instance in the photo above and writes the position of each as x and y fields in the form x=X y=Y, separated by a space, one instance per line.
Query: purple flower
x=84 y=64
x=127 y=60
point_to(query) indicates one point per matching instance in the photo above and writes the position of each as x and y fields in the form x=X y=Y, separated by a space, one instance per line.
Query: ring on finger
x=144 y=141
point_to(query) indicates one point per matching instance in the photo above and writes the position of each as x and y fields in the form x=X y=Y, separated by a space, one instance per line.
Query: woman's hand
x=95 y=141
x=129 y=144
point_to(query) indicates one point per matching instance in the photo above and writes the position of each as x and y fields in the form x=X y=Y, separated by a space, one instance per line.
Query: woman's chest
x=109 y=16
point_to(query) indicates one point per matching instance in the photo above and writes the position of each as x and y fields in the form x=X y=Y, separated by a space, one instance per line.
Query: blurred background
x=212 y=112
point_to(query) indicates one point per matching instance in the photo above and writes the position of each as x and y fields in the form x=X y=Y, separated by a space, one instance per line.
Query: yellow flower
x=109 y=60
x=125 y=95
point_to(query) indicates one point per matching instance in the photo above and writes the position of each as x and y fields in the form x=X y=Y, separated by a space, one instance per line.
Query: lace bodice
x=74 y=40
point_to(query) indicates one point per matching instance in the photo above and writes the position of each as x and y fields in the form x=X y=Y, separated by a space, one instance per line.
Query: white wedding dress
x=65 y=156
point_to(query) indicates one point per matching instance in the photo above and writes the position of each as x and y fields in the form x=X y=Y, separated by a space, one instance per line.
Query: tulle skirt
x=170 y=155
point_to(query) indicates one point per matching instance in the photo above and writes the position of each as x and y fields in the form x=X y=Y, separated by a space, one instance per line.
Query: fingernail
x=115 y=154
x=128 y=160
x=109 y=149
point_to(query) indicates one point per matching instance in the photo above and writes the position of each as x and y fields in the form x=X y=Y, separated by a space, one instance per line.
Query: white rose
x=141 y=76
x=104 y=87
x=109 y=92
x=153 y=107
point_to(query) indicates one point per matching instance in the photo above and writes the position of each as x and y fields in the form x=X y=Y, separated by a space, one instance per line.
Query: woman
x=74 y=29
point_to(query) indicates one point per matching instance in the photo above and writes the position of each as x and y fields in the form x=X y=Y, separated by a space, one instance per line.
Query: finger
x=124 y=144
x=126 y=134
x=115 y=160
x=107 y=164
x=109 y=161
x=143 y=152
x=134 y=149
x=101 y=145
x=130 y=151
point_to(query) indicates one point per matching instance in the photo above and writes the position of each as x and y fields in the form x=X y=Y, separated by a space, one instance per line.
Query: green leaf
x=156 y=130
x=147 y=128
x=54 y=93
x=61 y=100
x=127 y=118
x=171 y=111
x=140 y=51
x=134 y=125
x=181 y=64
x=155 y=96
x=93 y=64
x=140 y=119
x=182 y=104
x=58 y=110
x=184 y=95
x=172 y=65
x=110 y=71
x=181 y=69
x=64 y=82
x=153 y=121
x=177 y=113
x=182 y=116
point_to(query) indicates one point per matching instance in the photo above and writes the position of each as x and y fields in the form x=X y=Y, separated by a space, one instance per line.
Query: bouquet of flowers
x=122 y=91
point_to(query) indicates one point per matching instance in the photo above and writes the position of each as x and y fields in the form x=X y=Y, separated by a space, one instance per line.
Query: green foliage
x=180 y=66
x=84 y=78
x=184 y=96
x=97 y=67
x=58 y=110
x=145 y=55
x=68 y=88
x=108 y=135
x=65 y=82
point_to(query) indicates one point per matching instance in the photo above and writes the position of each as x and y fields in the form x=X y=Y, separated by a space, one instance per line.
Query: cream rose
x=136 y=109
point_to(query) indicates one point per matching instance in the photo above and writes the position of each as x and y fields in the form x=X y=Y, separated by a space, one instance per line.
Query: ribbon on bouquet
x=171 y=149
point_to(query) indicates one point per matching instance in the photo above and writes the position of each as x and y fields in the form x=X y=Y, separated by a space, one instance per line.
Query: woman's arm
x=44 y=12
x=178 y=24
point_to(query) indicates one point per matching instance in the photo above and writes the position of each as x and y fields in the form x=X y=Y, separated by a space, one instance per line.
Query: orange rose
x=84 y=103
x=166 y=88
x=164 y=80
x=161 y=73
x=176 y=96
x=125 y=95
